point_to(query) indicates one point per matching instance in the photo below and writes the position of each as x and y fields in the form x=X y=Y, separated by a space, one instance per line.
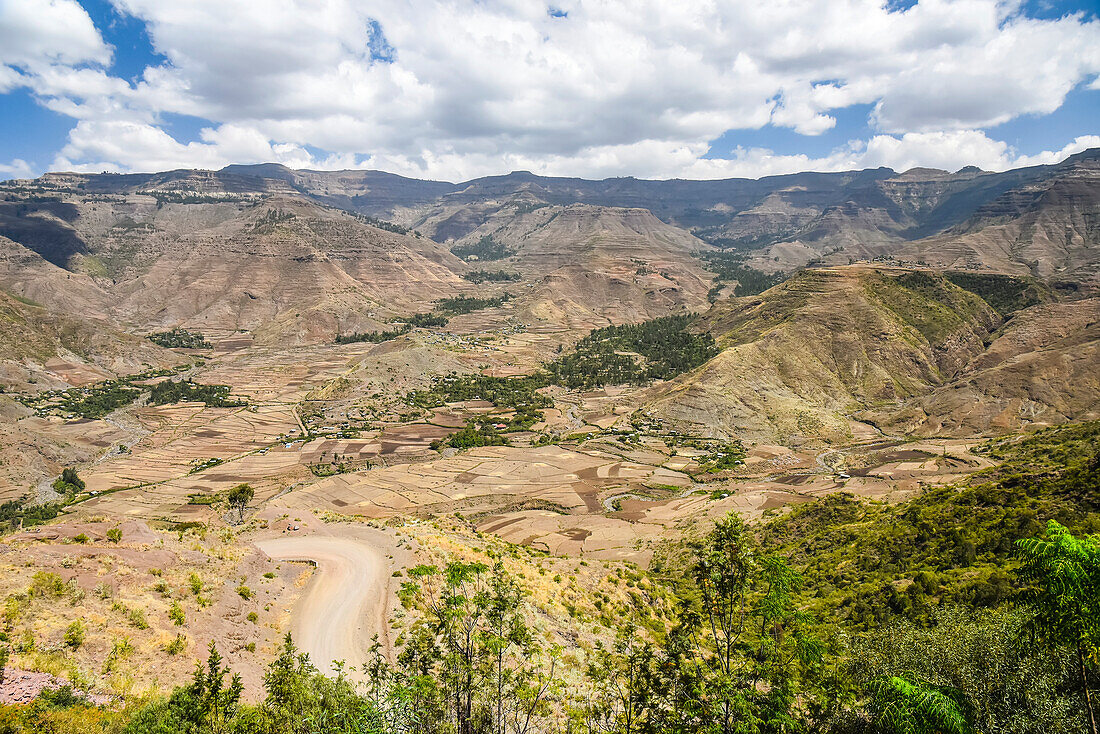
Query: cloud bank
x=457 y=89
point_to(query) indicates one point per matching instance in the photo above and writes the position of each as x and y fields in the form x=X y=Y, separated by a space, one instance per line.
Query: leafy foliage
x=180 y=339
x=516 y=393
x=1009 y=684
x=239 y=497
x=375 y=337
x=14 y=513
x=69 y=483
x=1065 y=598
x=490 y=276
x=730 y=267
x=486 y=249
x=658 y=349
x=172 y=391
x=469 y=304
x=470 y=664
x=476 y=433
x=209 y=704
x=98 y=400
x=955 y=543
x=907 y=705
x=1005 y=293
x=425 y=320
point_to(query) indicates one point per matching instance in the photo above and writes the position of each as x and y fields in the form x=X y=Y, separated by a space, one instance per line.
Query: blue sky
x=620 y=87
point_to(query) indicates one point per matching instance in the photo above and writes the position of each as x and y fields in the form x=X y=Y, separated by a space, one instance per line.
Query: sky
x=457 y=89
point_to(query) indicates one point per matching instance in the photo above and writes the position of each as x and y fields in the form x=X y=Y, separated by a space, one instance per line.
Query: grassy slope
x=809 y=351
x=867 y=562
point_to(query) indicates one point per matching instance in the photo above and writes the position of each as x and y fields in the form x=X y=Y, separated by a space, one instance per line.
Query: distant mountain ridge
x=784 y=221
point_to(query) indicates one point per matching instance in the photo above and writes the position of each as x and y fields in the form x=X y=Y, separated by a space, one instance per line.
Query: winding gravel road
x=346 y=601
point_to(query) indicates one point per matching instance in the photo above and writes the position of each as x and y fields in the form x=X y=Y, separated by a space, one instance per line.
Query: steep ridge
x=799 y=358
x=594 y=265
x=288 y=268
x=1041 y=369
x=1049 y=228
x=28 y=275
x=831 y=217
x=217 y=252
x=40 y=349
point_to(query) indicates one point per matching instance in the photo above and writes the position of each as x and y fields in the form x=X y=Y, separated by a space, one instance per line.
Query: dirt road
x=346 y=602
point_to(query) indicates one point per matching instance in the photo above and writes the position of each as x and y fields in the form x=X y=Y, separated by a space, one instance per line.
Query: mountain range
x=906 y=298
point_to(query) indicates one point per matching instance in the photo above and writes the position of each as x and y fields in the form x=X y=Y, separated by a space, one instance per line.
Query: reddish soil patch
x=23 y=686
x=589 y=495
x=499 y=525
x=793 y=480
x=775 y=501
x=418 y=435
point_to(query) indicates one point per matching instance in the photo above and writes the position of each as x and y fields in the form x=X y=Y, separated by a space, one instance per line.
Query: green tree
x=739 y=659
x=907 y=705
x=1011 y=687
x=471 y=658
x=239 y=497
x=300 y=700
x=749 y=641
x=1065 y=597
x=69 y=482
x=209 y=705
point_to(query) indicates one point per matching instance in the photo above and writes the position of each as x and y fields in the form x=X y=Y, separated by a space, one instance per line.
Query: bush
x=137 y=618
x=47 y=584
x=74 y=635
x=176 y=645
x=195 y=583
x=175 y=613
x=244 y=591
x=114 y=535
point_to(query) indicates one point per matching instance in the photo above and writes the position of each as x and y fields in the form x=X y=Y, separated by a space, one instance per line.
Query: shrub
x=47 y=584
x=176 y=645
x=175 y=613
x=114 y=535
x=137 y=619
x=244 y=591
x=74 y=635
x=195 y=583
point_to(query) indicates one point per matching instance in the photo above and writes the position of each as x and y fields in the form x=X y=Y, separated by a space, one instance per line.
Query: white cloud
x=37 y=33
x=17 y=168
x=461 y=88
